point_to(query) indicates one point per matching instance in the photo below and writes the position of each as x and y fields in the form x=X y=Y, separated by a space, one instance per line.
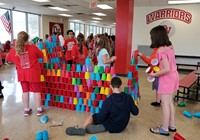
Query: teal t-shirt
x=100 y=57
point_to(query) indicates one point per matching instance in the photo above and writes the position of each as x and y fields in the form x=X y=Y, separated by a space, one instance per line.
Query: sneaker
x=41 y=112
x=1 y=95
x=172 y=129
x=155 y=104
x=75 y=131
x=27 y=113
x=92 y=129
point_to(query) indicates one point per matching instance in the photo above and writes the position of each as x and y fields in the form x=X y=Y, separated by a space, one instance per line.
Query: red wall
x=124 y=29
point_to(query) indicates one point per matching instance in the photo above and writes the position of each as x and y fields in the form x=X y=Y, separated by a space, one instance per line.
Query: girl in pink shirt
x=168 y=76
x=25 y=56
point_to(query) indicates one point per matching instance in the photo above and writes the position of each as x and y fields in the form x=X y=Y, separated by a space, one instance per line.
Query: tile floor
x=17 y=127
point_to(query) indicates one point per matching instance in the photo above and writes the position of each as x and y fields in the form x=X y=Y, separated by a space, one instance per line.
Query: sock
x=39 y=108
x=27 y=109
x=172 y=127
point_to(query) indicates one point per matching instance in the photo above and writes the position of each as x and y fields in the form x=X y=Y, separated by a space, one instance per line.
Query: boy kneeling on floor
x=113 y=116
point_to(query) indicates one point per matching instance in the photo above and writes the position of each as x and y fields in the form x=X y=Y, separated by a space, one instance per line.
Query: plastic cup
x=98 y=77
x=108 y=78
x=96 y=69
x=154 y=62
x=150 y=79
x=44 y=119
x=149 y=70
x=126 y=90
x=97 y=110
x=182 y=104
x=197 y=114
x=187 y=114
x=99 y=83
x=45 y=135
x=79 y=81
x=58 y=72
x=130 y=75
x=84 y=68
x=107 y=91
x=87 y=61
x=90 y=69
x=78 y=68
x=92 y=110
x=82 y=108
x=156 y=69
x=87 y=75
x=177 y=136
x=107 y=69
x=93 y=138
x=102 y=91
x=112 y=70
x=39 y=135
x=92 y=77
x=101 y=69
x=133 y=61
x=68 y=67
x=103 y=78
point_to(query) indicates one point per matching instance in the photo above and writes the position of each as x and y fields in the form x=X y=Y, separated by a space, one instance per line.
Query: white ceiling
x=78 y=8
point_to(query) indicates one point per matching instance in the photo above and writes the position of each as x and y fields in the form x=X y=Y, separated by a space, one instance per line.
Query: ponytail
x=80 y=39
x=22 y=37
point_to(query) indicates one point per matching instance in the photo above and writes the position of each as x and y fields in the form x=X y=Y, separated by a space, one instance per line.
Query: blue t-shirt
x=100 y=57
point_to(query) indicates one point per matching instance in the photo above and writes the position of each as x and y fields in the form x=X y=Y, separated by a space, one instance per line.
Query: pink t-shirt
x=169 y=82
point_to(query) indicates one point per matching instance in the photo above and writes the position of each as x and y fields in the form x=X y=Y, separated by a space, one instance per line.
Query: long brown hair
x=80 y=39
x=22 y=37
x=103 y=43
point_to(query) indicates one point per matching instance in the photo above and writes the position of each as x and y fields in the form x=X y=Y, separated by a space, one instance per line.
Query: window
x=33 y=26
x=98 y=30
x=71 y=26
x=76 y=29
x=87 y=31
x=82 y=30
x=95 y=30
x=19 y=23
x=108 y=31
x=4 y=34
x=91 y=29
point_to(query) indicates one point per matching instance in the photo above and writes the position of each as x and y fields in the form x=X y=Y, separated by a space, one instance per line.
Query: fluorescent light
x=95 y=21
x=76 y=20
x=104 y=6
x=96 y=18
x=58 y=8
x=2 y=4
x=183 y=1
x=41 y=0
x=65 y=15
x=99 y=14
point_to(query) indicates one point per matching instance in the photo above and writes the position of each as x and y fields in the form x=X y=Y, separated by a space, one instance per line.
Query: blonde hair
x=22 y=37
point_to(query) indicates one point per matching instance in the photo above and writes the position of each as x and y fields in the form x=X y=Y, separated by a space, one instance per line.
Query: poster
x=56 y=27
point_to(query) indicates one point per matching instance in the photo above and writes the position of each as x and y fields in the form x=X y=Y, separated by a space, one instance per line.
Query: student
x=148 y=61
x=68 y=45
x=79 y=51
x=103 y=53
x=1 y=88
x=25 y=56
x=168 y=78
x=113 y=116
